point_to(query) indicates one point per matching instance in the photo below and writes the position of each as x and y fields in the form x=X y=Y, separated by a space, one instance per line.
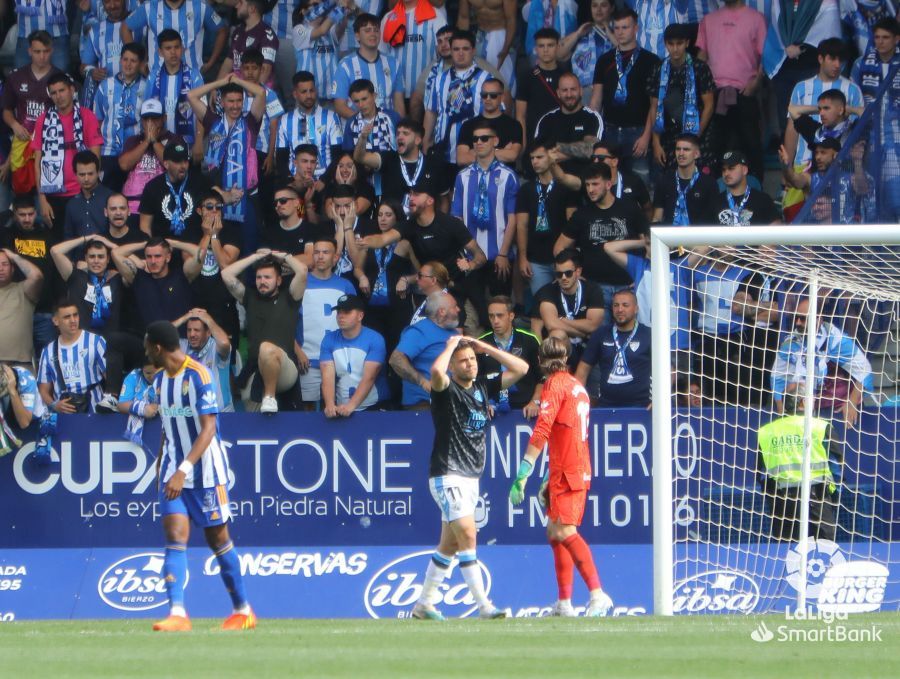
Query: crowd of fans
x=320 y=192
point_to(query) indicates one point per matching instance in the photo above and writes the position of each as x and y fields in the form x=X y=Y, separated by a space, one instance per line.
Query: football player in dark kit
x=459 y=408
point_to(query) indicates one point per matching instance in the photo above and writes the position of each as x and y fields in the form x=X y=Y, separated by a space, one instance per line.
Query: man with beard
x=740 y=205
x=272 y=313
x=572 y=128
x=683 y=194
x=206 y=342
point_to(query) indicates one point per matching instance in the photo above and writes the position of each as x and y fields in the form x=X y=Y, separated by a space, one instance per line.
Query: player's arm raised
x=439 y=379
x=516 y=368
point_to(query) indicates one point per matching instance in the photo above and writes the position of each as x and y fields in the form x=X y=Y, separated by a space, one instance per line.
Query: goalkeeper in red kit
x=563 y=421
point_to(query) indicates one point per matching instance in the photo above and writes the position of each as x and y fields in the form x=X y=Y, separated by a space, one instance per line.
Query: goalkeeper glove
x=517 y=491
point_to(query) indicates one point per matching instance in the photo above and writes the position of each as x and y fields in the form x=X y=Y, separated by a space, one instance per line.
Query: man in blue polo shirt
x=420 y=345
x=622 y=353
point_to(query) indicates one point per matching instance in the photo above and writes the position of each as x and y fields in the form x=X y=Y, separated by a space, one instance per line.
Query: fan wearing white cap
x=142 y=153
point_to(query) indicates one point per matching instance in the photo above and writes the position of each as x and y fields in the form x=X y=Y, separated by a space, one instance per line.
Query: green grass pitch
x=702 y=646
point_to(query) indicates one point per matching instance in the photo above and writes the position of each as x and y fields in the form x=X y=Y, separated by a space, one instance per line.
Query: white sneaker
x=423 y=612
x=108 y=404
x=493 y=613
x=269 y=405
x=599 y=605
x=563 y=609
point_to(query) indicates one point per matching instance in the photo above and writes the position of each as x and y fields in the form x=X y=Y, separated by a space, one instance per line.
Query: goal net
x=776 y=480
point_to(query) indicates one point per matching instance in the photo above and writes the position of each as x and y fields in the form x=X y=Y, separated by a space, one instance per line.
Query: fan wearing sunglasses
x=509 y=130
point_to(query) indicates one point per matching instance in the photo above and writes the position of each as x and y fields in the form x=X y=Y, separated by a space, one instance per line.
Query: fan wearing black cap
x=835 y=203
x=352 y=362
x=682 y=94
x=169 y=202
x=433 y=235
x=740 y=205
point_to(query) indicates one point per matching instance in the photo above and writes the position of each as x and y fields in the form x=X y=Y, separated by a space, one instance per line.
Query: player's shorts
x=567 y=507
x=205 y=507
x=455 y=495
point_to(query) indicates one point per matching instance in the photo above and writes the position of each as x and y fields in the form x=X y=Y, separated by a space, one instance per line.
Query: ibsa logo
x=719 y=591
x=820 y=556
x=853 y=587
x=135 y=583
x=7 y=616
x=395 y=588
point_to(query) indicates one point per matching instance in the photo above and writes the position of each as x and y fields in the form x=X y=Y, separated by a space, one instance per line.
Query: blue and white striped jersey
x=384 y=74
x=455 y=98
x=174 y=97
x=183 y=398
x=218 y=368
x=502 y=189
x=318 y=56
x=832 y=346
x=102 y=46
x=190 y=20
x=118 y=110
x=41 y=15
x=322 y=128
x=348 y=41
x=274 y=111
x=280 y=18
x=806 y=93
x=78 y=368
x=419 y=48
x=653 y=17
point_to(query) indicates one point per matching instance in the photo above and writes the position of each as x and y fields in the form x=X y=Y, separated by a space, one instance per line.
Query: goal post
x=712 y=525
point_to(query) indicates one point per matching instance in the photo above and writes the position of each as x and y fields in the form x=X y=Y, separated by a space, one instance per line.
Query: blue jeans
x=624 y=138
x=59 y=58
x=542 y=274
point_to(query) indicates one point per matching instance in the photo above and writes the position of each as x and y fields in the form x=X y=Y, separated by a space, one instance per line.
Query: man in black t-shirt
x=400 y=170
x=169 y=202
x=605 y=219
x=540 y=217
x=459 y=410
x=118 y=229
x=684 y=195
x=626 y=109
x=291 y=234
x=740 y=205
x=572 y=128
x=536 y=85
x=570 y=304
x=509 y=130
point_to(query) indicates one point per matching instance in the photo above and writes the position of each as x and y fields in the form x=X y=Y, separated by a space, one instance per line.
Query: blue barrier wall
x=333 y=518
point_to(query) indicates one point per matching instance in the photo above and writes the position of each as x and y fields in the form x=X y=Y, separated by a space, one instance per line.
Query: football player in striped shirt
x=193 y=473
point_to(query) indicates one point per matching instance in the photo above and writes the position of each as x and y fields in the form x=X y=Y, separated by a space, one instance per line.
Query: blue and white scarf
x=461 y=96
x=622 y=71
x=184 y=114
x=481 y=212
x=690 y=119
x=587 y=50
x=383 y=257
x=100 y=312
x=681 y=216
x=227 y=152
x=53 y=148
x=178 y=214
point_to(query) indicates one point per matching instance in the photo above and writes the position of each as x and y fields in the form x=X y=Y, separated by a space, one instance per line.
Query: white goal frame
x=662 y=240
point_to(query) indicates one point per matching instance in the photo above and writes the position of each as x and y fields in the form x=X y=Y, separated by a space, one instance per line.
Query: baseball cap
x=732 y=158
x=151 y=107
x=424 y=186
x=177 y=151
x=350 y=303
x=828 y=143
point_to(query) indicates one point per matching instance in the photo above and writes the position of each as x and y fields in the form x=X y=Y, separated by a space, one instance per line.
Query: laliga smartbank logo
x=397 y=586
x=814 y=626
x=135 y=583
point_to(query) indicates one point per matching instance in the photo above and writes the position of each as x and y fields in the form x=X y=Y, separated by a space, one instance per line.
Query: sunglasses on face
x=490 y=95
x=213 y=206
x=599 y=158
x=282 y=201
x=483 y=138
x=568 y=273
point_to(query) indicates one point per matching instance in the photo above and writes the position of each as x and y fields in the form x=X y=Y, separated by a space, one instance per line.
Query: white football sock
x=471 y=571
x=438 y=568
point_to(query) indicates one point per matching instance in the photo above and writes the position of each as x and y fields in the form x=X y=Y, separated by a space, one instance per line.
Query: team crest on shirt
x=250 y=41
x=634 y=345
x=185 y=388
x=478 y=396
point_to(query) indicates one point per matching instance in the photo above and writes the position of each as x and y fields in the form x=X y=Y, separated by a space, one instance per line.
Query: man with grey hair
x=419 y=347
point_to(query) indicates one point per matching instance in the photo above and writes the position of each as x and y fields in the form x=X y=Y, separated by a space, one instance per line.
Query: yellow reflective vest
x=781 y=445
